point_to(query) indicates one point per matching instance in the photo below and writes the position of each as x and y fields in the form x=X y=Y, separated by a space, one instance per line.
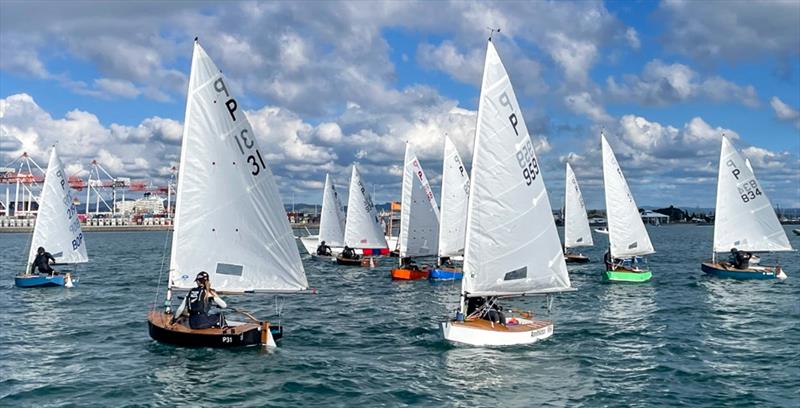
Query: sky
x=326 y=84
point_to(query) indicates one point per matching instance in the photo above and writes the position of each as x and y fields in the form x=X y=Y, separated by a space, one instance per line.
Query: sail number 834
x=527 y=162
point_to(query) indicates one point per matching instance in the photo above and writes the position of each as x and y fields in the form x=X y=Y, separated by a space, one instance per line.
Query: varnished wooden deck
x=162 y=320
x=487 y=325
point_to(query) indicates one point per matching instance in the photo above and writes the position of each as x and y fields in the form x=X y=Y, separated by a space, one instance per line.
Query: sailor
x=474 y=304
x=323 y=249
x=495 y=313
x=41 y=264
x=198 y=303
x=740 y=259
x=349 y=253
x=408 y=263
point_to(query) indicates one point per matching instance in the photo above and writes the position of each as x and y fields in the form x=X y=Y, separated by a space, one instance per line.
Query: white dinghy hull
x=527 y=332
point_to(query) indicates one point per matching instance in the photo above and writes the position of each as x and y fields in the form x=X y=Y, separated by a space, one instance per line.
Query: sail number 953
x=527 y=162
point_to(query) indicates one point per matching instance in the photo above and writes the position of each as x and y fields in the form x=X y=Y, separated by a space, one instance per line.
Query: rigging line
x=161 y=269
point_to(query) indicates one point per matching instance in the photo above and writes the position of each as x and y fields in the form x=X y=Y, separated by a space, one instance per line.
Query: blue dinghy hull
x=445 y=274
x=38 y=281
x=721 y=272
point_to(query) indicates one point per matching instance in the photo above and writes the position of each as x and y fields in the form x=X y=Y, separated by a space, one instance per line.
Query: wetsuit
x=742 y=260
x=41 y=263
x=324 y=250
x=199 y=305
x=349 y=253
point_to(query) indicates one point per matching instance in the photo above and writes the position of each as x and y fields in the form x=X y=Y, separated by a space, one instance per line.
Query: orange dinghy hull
x=409 y=274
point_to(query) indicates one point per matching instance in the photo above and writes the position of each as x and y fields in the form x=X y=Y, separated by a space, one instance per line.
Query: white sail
x=576 y=223
x=229 y=217
x=745 y=219
x=419 y=214
x=512 y=246
x=627 y=234
x=331 y=222
x=455 y=194
x=363 y=228
x=57 y=228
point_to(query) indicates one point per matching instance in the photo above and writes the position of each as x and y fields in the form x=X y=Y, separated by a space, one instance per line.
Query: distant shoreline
x=129 y=228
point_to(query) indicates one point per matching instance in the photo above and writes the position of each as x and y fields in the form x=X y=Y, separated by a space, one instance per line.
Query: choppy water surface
x=682 y=339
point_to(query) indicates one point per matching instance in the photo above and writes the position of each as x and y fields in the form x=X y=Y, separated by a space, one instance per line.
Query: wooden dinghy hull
x=409 y=274
x=43 y=281
x=479 y=332
x=576 y=258
x=245 y=334
x=754 y=272
x=444 y=274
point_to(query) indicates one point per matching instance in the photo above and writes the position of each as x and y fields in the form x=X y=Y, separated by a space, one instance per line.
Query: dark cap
x=202 y=276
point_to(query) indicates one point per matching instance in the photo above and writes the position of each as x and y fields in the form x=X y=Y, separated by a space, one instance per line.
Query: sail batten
x=57 y=227
x=506 y=184
x=455 y=193
x=419 y=214
x=744 y=217
x=229 y=216
x=576 y=223
x=332 y=220
x=627 y=234
x=363 y=228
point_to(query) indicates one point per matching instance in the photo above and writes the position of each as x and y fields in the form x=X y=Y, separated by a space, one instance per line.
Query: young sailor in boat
x=740 y=259
x=197 y=304
x=349 y=253
x=324 y=249
x=41 y=264
x=486 y=309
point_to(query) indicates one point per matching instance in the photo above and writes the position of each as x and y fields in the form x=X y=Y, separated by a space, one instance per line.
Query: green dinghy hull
x=627 y=277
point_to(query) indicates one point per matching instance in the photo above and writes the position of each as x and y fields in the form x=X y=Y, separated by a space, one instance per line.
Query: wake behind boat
x=229 y=223
x=507 y=198
x=57 y=235
x=744 y=222
x=628 y=238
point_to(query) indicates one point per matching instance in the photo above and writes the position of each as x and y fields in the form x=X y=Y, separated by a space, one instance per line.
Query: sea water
x=683 y=339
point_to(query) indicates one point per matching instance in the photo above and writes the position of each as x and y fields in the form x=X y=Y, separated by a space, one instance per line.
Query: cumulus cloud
x=785 y=112
x=739 y=31
x=663 y=84
x=584 y=104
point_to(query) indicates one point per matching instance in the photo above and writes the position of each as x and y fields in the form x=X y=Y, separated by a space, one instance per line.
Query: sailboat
x=229 y=217
x=627 y=237
x=419 y=220
x=512 y=246
x=331 y=223
x=363 y=228
x=744 y=220
x=57 y=230
x=577 y=232
x=452 y=225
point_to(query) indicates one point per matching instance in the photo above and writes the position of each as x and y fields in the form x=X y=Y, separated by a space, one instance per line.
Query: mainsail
x=331 y=222
x=627 y=234
x=57 y=227
x=419 y=214
x=229 y=217
x=363 y=228
x=745 y=219
x=576 y=223
x=455 y=194
x=512 y=246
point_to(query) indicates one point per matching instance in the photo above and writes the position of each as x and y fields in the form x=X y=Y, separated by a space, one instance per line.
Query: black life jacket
x=198 y=302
